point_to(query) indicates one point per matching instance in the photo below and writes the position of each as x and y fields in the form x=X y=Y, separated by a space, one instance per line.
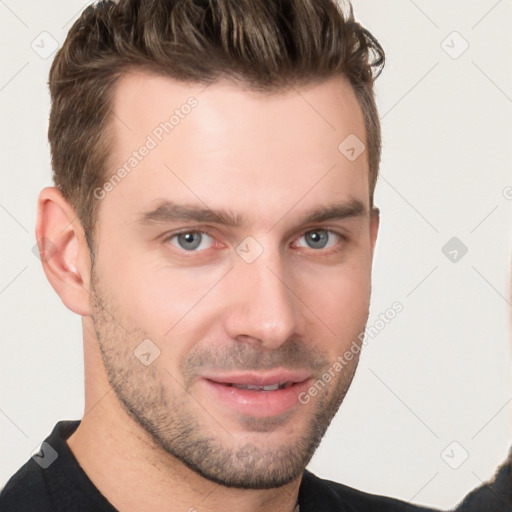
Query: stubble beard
x=170 y=415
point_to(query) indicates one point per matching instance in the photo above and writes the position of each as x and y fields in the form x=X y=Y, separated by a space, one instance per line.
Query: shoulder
x=34 y=487
x=25 y=491
x=335 y=496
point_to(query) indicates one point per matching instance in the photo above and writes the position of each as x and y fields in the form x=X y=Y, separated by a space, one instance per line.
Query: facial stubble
x=162 y=405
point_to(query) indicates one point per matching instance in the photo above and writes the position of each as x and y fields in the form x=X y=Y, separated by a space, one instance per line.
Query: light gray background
x=440 y=371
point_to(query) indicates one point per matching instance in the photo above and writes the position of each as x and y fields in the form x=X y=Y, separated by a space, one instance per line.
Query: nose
x=264 y=307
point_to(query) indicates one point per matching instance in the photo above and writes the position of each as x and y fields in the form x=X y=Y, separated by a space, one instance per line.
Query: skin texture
x=159 y=430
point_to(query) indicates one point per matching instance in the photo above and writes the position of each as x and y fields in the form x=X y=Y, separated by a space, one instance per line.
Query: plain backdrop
x=428 y=416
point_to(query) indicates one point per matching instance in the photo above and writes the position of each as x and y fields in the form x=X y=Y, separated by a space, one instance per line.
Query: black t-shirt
x=53 y=481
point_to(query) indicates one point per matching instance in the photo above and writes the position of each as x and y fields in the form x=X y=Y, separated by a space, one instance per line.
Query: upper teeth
x=269 y=387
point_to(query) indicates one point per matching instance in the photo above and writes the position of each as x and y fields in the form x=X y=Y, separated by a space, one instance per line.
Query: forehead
x=223 y=146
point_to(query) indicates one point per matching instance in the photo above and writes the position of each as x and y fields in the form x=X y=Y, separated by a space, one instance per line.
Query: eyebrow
x=169 y=211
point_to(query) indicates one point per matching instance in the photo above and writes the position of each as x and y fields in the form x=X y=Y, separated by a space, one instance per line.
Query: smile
x=269 y=387
x=255 y=394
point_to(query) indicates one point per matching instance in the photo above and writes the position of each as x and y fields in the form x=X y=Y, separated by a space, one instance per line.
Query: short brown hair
x=260 y=44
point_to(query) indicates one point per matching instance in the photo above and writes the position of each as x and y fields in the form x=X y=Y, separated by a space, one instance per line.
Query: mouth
x=269 y=387
x=256 y=394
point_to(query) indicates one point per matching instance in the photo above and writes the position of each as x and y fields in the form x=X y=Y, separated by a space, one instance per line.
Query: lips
x=255 y=394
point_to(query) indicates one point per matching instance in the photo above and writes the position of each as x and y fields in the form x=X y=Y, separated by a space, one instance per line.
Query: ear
x=63 y=250
x=374 y=227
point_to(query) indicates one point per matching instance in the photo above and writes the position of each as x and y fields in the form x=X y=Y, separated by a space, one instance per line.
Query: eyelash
x=326 y=252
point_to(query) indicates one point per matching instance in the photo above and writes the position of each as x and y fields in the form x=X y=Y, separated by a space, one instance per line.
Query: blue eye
x=319 y=238
x=191 y=240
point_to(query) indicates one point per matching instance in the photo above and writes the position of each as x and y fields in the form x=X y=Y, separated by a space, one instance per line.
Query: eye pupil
x=190 y=240
x=317 y=239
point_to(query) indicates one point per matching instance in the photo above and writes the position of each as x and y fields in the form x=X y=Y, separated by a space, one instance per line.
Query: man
x=213 y=224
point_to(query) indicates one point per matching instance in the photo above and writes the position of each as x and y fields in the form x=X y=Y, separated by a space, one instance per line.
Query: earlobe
x=63 y=251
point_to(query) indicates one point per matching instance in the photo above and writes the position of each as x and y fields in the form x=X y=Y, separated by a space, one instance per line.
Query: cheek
x=340 y=298
x=159 y=301
x=172 y=306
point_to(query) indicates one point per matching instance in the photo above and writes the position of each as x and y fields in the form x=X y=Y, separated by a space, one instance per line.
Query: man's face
x=271 y=298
